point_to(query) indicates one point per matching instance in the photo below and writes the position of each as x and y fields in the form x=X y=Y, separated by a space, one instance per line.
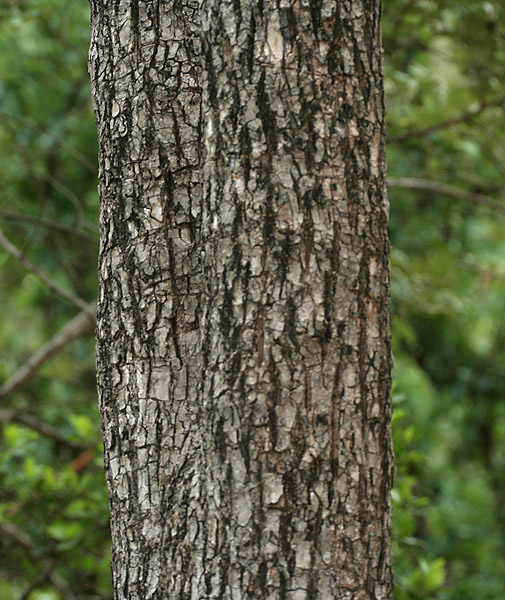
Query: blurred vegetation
x=445 y=82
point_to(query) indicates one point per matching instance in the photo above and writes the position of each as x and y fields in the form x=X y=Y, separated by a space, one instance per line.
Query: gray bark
x=296 y=344
x=258 y=463
x=145 y=70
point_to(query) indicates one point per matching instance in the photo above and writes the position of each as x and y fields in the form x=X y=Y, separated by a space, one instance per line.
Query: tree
x=243 y=342
x=445 y=132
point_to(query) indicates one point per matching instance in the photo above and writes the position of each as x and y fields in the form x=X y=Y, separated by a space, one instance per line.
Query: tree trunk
x=145 y=69
x=259 y=464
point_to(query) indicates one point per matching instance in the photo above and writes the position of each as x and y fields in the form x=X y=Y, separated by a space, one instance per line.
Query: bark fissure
x=313 y=333
x=145 y=69
x=243 y=347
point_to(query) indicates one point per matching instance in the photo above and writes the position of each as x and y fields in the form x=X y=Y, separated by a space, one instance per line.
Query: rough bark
x=145 y=72
x=296 y=343
x=258 y=464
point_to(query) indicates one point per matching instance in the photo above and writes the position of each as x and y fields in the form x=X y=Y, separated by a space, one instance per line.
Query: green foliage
x=445 y=61
x=444 y=74
x=54 y=531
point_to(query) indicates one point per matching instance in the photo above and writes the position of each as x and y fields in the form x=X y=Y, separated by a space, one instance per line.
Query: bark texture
x=256 y=463
x=296 y=342
x=145 y=69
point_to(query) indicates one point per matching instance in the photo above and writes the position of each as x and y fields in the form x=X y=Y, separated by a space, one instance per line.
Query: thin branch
x=426 y=185
x=81 y=324
x=8 y=416
x=16 y=252
x=464 y=118
x=39 y=580
x=34 y=127
x=89 y=237
x=62 y=586
x=68 y=193
x=22 y=539
x=59 y=36
x=74 y=277
x=45 y=174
